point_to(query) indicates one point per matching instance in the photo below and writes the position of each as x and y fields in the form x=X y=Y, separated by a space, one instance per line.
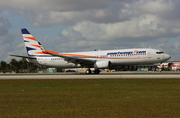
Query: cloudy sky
x=81 y=25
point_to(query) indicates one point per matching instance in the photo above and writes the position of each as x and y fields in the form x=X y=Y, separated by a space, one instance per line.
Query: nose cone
x=167 y=56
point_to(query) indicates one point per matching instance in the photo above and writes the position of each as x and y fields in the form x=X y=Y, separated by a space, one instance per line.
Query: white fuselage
x=119 y=57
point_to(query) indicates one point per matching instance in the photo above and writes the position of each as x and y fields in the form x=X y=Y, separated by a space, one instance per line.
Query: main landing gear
x=97 y=71
x=88 y=71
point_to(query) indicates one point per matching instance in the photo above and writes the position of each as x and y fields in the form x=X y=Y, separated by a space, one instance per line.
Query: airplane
x=105 y=59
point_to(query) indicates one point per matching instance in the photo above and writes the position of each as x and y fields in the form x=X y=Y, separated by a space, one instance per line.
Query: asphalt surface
x=116 y=75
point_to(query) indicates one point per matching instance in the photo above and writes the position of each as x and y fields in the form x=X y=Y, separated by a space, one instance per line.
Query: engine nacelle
x=32 y=60
x=102 y=64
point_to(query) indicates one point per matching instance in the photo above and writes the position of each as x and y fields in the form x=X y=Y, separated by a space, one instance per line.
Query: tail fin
x=33 y=47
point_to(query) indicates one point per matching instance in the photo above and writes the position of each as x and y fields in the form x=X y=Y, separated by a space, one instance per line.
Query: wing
x=76 y=59
x=23 y=56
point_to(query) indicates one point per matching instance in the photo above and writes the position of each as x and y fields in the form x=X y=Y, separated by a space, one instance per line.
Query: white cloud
x=144 y=26
x=55 y=5
x=154 y=6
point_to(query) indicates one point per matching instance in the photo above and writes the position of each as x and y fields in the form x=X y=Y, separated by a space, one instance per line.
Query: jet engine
x=102 y=64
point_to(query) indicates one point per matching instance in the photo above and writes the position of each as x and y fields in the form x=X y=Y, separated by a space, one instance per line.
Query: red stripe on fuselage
x=88 y=56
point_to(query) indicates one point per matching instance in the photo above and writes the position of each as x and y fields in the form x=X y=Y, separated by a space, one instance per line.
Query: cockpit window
x=159 y=52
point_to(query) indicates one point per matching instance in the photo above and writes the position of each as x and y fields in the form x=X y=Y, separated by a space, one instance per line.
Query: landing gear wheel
x=88 y=71
x=97 y=71
x=153 y=68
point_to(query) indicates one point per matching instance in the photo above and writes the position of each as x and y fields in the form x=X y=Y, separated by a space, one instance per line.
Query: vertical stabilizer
x=33 y=47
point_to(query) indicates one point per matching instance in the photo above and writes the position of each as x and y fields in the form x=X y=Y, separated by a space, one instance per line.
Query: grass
x=125 y=98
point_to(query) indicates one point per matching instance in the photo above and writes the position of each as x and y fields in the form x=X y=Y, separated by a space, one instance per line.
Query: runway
x=91 y=76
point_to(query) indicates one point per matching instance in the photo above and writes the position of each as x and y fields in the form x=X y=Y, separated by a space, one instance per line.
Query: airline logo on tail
x=32 y=46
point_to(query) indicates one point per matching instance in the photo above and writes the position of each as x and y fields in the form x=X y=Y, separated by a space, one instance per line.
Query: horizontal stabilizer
x=23 y=56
